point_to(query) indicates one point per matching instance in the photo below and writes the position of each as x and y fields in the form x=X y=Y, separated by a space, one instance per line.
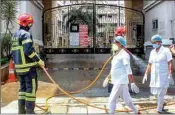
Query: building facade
x=159 y=19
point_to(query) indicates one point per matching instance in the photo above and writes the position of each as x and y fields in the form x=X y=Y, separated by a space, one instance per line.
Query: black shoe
x=164 y=112
x=165 y=109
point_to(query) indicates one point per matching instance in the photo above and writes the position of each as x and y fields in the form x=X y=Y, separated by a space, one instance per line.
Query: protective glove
x=41 y=63
x=170 y=79
x=134 y=88
x=105 y=82
x=144 y=78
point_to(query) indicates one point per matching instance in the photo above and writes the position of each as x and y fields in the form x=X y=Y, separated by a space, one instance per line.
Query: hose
x=66 y=93
x=87 y=87
x=74 y=92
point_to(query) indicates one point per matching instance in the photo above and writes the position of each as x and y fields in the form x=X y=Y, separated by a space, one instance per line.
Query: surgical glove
x=170 y=79
x=134 y=88
x=105 y=82
x=144 y=78
x=41 y=63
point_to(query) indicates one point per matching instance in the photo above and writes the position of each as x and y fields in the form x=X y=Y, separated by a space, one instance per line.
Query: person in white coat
x=121 y=73
x=160 y=65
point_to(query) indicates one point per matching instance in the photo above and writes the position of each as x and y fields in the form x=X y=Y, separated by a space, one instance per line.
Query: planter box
x=4 y=72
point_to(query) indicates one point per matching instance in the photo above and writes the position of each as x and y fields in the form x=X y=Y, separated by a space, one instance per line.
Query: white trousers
x=120 y=90
x=159 y=93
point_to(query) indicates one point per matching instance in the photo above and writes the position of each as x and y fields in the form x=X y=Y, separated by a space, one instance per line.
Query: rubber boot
x=30 y=107
x=21 y=109
x=30 y=112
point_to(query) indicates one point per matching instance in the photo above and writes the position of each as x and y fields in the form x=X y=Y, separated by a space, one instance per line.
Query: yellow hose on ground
x=74 y=92
x=68 y=94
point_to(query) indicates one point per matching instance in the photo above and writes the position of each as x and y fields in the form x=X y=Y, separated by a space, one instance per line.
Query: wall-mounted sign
x=78 y=35
x=83 y=35
x=74 y=39
x=74 y=28
x=74 y=35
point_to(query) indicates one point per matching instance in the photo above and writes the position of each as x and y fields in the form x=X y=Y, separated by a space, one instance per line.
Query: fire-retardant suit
x=25 y=59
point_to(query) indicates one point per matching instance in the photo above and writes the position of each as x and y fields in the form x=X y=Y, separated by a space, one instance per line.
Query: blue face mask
x=155 y=46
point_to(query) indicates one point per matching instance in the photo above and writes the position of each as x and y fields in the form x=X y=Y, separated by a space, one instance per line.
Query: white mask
x=114 y=47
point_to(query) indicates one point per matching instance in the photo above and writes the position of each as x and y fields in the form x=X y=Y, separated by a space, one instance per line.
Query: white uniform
x=119 y=77
x=159 y=74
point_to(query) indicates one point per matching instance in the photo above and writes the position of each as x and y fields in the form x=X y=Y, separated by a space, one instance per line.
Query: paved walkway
x=68 y=105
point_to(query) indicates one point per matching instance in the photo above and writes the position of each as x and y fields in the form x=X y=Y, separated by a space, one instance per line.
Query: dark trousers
x=27 y=91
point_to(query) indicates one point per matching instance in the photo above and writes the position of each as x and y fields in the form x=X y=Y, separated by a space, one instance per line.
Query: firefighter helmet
x=25 y=20
x=119 y=31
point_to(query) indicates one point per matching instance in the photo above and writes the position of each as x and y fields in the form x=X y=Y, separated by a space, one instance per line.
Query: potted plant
x=8 y=16
x=5 y=56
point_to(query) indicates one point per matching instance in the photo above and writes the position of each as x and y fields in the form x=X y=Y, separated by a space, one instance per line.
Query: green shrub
x=4 y=60
x=5 y=46
x=8 y=9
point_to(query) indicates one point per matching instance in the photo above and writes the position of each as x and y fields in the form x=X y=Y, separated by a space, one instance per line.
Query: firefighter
x=26 y=60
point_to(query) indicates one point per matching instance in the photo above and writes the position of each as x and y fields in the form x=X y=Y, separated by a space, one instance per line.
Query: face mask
x=114 y=47
x=155 y=46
